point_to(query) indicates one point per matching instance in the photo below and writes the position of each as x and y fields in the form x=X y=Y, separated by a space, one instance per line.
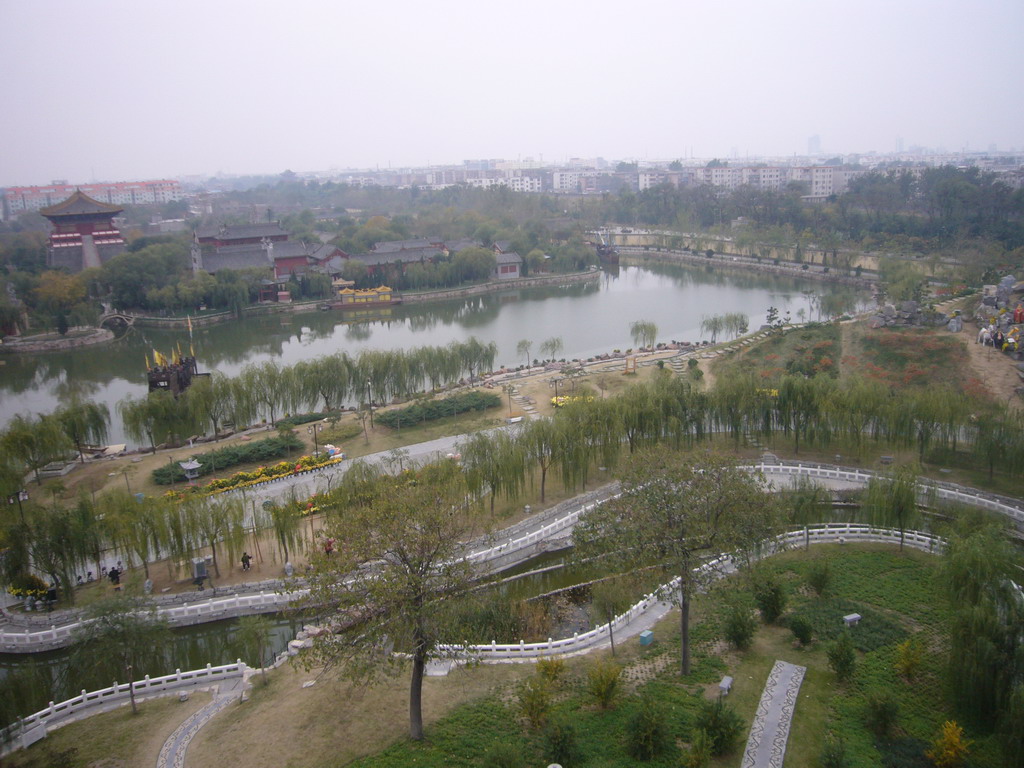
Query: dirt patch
x=996 y=372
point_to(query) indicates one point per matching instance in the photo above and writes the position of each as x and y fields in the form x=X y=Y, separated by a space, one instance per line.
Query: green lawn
x=897 y=598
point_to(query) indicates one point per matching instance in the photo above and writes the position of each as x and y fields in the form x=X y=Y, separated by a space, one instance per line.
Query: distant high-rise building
x=814 y=145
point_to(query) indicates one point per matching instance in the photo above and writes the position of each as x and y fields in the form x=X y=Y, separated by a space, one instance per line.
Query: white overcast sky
x=111 y=90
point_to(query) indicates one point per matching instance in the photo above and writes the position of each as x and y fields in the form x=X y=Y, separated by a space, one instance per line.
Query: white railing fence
x=815 y=534
x=29 y=729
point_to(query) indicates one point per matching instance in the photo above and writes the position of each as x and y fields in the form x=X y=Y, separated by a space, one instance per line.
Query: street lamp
x=312 y=429
x=19 y=497
x=369 y=404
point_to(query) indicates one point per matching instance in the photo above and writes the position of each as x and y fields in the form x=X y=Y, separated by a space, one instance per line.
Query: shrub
x=551 y=669
x=949 y=750
x=770 y=596
x=430 y=410
x=721 y=723
x=231 y=456
x=801 y=629
x=841 y=656
x=833 y=752
x=301 y=418
x=561 y=744
x=504 y=755
x=647 y=732
x=699 y=753
x=819 y=577
x=603 y=683
x=739 y=625
x=909 y=655
x=881 y=714
x=535 y=701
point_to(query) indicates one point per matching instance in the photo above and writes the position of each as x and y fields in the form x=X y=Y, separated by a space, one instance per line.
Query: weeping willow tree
x=981 y=576
x=84 y=421
x=644 y=332
x=891 y=500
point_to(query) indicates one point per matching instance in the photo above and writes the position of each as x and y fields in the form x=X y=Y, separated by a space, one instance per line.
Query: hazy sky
x=132 y=89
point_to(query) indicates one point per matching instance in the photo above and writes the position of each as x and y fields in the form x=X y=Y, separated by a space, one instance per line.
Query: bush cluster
x=430 y=410
x=231 y=456
x=301 y=418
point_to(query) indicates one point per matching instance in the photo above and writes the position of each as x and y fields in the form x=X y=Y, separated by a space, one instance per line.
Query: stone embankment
x=49 y=343
x=747 y=264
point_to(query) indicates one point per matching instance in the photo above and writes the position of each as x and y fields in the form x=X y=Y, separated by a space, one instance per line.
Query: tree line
x=817 y=412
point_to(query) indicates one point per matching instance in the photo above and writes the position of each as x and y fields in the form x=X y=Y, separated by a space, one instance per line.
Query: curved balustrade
x=226 y=607
x=29 y=729
x=817 y=534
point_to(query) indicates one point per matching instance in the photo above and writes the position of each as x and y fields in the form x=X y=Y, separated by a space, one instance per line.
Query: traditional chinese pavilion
x=84 y=234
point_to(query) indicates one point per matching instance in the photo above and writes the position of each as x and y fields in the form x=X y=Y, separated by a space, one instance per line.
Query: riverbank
x=408 y=297
x=53 y=342
x=725 y=261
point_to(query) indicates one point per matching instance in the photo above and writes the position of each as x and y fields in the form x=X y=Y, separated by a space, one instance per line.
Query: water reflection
x=591 y=318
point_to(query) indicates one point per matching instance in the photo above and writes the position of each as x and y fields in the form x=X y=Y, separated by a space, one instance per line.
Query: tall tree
x=523 y=350
x=84 y=421
x=122 y=638
x=981 y=575
x=34 y=442
x=644 y=332
x=891 y=500
x=678 y=512
x=411 y=527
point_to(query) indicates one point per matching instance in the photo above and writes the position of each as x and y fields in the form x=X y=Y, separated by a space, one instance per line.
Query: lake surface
x=590 y=318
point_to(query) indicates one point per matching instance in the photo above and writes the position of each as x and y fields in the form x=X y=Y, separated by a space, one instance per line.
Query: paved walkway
x=172 y=754
x=766 y=747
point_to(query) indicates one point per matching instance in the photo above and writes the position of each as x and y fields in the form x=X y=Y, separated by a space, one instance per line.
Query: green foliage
x=267 y=449
x=503 y=754
x=770 y=596
x=301 y=418
x=801 y=629
x=551 y=669
x=535 y=701
x=739 y=625
x=833 y=752
x=842 y=657
x=561 y=742
x=721 y=723
x=603 y=683
x=909 y=655
x=882 y=711
x=875 y=630
x=699 y=753
x=431 y=410
x=819 y=577
x=647 y=734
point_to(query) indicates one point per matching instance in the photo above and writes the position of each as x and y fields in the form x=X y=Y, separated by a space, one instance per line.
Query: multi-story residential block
x=17 y=200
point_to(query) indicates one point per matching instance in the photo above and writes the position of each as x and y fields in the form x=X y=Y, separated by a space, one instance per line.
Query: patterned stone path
x=766 y=746
x=172 y=754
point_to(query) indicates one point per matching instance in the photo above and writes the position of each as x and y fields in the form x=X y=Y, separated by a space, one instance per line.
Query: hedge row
x=301 y=418
x=230 y=456
x=438 y=409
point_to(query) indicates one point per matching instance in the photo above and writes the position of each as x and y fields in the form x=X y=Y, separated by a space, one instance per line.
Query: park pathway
x=766 y=747
x=172 y=754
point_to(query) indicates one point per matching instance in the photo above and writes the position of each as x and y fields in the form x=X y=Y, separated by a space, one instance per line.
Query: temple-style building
x=84 y=234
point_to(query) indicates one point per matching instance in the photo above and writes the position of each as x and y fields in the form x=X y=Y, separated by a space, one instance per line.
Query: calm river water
x=590 y=318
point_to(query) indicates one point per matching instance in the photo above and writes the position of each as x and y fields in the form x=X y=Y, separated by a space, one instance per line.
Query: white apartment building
x=20 y=199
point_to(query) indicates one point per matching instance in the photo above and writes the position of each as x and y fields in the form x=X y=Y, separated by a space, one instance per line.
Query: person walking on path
x=245 y=561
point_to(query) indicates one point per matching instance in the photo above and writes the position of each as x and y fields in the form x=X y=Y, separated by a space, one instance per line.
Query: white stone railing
x=215 y=608
x=945 y=491
x=29 y=729
x=816 y=534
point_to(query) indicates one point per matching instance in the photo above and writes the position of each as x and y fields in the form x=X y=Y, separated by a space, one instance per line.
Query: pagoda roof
x=78 y=204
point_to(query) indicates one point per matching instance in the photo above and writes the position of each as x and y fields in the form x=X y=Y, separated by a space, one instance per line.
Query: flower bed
x=260 y=475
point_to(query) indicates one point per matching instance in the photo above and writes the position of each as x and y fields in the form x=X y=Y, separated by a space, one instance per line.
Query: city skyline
x=117 y=90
